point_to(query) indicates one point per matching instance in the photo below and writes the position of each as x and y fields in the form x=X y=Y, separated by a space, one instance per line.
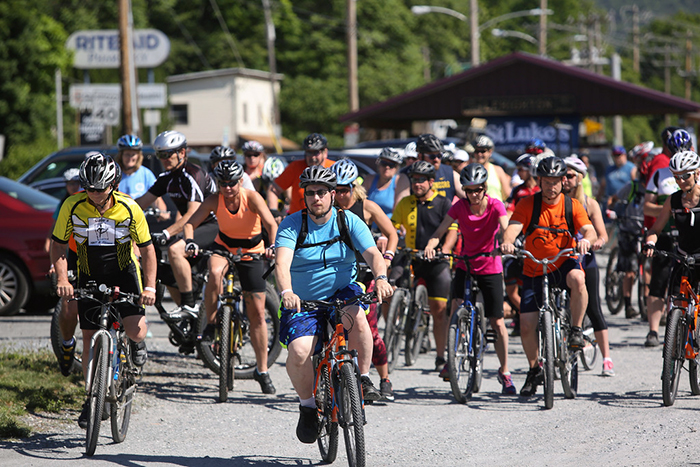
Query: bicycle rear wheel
x=57 y=339
x=589 y=354
x=547 y=353
x=460 y=356
x=674 y=355
x=567 y=361
x=478 y=347
x=394 y=326
x=98 y=389
x=124 y=389
x=328 y=436
x=225 y=351
x=613 y=283
x=352 y=419
x=416 y=325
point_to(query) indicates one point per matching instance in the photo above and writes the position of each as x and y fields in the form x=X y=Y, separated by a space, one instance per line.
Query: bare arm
x=149 y=264
x=504 y=179
x=403 y=189
x=650 y=207
x=376 y=263
x=459 y=191
x=659 y=223
x=598 y=224
x=210 y=204
x=258 y=206
x=146 y=200
x=437 y=235
x=509 y=236
x=60 y=263
x=179 y=224
x=283 y=264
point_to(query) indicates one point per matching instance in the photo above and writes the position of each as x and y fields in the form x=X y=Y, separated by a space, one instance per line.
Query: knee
x=177 y=249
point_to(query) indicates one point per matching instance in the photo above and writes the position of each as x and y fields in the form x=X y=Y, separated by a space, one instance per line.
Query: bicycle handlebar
x=690 y=260
x=237 y=257
x=338 y=303
x=521 y=253
x=112 y=294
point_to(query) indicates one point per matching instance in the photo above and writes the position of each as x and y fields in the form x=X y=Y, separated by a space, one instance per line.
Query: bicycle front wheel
x=225 y=351
x=613 y=283
x=328 y=436
x=674 y=355
x=394 y=326
x=694 y=370
x=547 y=353
x=124 y=389
x=352 y=419
x=417 y=325
x=567 y=361
x=98 y=389
x=460 y=356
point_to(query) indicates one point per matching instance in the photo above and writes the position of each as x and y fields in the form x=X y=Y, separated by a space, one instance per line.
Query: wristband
x=389 y=252
x=382 y=237
x=651 y=243
x=189 y=240
x=149 y=289
x=388 y=257
x=166 y=233
x=381 y=278
x=285 y=291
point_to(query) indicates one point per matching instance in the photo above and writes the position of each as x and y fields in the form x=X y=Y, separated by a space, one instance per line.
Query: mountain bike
x=614 y=279
x=337 y=388
x=553 y=329
x=589 y=354
x=682 y=341
x=231 y=343
x=111 y=374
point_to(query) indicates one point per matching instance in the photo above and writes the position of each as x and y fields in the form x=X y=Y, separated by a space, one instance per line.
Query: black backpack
x=537 y=209
x=342 y=227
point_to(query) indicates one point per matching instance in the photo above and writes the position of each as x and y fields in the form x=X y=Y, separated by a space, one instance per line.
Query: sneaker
x=445 y=372
x=369 y=392
x=662 y=322
x=608 y=368
x=65 y=360
x=265 y=382
x=307 y=428
x=439 y=363
x=652 y=339
x=631 y=312
x=139 y=354
x=507 y=383
x=184 y=311
x=425 y=345
x=209 y=333
x=535 y=377
x=576 y=340
x=84 y=414
x=386 y=390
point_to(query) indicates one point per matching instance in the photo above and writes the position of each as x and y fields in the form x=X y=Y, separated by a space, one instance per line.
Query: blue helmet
x=535 y=146
x=345 y=171
x=679 y=141
x=129 y=142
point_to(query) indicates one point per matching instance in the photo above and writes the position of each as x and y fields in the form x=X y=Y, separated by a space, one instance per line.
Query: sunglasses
x=229 y=183
x=320 y=193
x=166 y=154
x=432 y=157
x=481 y=151
x=388 y=165
x=313 y=153
x=684 y=176
x=252 y=154
x=570 y=176
x=343 y=191
x=475 y=191
x=418 y=179
x=95 y=190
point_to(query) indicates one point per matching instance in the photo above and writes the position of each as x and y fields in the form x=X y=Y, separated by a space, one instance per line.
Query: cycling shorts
x=531 y=294
x=512 y=270
x=127 y=280
x=436 y=275
x=490 y=286
x=626 y=253
x=594 y=310
x=313 y=323
x=250 y=272
x=661 y=268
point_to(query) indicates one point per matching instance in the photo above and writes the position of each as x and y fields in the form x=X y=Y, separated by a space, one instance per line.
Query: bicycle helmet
x=684 y=161
x=169 y=141
x=221 y=153
x=461 y=156
x=252 y=146
x=422 y=168
x=680 y=141
x=129 y=142
x=618 y=150
x=551 y=167
x=410 y=151
x=391 y=155
x=473 y=174
x=71 y=175
x=99 y=172
x=642 y=149
x=667 y=132
x=273 y=168
x=524 y=160
x=577 y=164
x=483 y=142
x=315 y=142
x=428 y=143
x=345 y=171
x=535 y=146
x=317 y=175
x=228 y=171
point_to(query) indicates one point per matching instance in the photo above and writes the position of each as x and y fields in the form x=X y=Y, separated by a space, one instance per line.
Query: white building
x=227 y=107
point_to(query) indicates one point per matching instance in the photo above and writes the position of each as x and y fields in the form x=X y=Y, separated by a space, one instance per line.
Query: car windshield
x=34 y=198
x=57 y=168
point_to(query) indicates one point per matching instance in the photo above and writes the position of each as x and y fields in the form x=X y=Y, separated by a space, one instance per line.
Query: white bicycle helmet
x=71 y=175
x=391 y=155
x=252 y=146
x=273 y=168
x=345 y=171
x=410 y=150
x=317 y=175
x=169 y=141
x=577 y=164
x=684 y=161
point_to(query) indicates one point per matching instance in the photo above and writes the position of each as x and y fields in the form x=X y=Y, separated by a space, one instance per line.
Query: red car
x=26 y=217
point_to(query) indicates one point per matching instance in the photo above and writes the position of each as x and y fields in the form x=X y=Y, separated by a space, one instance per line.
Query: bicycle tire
x=57 y=339
x=96 y=396
x=589 y=354
x=674 y=355
x=694 y=371
x=226 y=370
x=417 y=325
x=394 y=327
x=547 y=349
x=568 y=370
x=328 y=430
x=613 y=283
x=124 y=395
x=642 y=288
x=460 y=355
x=353 y=422
x=479 y=349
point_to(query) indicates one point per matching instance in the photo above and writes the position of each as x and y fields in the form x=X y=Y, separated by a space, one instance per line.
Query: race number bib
x=101 y=231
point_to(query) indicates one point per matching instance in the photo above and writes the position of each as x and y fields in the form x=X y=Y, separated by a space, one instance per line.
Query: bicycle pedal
x=491 y=336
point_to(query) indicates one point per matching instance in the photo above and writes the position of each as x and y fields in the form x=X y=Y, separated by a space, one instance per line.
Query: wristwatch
x=381 y=278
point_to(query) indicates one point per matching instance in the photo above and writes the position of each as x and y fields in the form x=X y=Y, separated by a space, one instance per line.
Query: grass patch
x=30 y=382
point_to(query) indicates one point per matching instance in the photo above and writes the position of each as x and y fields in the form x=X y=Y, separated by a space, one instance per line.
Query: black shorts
x=490 y=286
x=661 y=268
x=127 y=280
x=627 y=253
x=512 y=270
x=250 y=272
x=436 y=275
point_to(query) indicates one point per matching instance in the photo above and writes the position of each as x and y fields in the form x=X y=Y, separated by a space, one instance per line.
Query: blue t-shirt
x=617 y=177
x=319 y=272
x=138 y=183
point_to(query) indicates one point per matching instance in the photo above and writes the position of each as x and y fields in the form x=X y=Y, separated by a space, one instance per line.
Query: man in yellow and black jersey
x=421 y=214
x=105 y=224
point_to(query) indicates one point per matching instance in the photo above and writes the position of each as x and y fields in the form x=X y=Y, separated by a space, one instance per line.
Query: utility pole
x=130 y=119
x=272 y=62
x=543 y=28
x=474 y=31
x=688 y=62
x=354 y=97
x=635 y=38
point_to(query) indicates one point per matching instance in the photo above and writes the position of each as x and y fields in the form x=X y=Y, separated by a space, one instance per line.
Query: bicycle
x=553 y=329
x=337 y=387
x=231 y=343
x=614 y=279
x=111 y=374
x=682 y=341
x=589 y=353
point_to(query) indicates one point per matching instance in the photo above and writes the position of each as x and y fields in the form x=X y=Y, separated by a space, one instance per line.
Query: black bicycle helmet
x=474 y=174
x=679 y=141
x=667 y=133
x=422 y=168
x=99 y=172
x=228 y=171
x=317 y=175
x=428 y=143
x=221 y=153
x=252 y=146
x=551 y=167
x=315 y=142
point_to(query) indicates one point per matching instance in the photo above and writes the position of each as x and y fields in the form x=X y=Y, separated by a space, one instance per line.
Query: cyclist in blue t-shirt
x=322 y=267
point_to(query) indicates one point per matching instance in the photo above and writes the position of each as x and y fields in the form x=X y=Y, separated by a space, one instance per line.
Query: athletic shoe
x=576 y=340
x=445 y=372
x=608 y=368
x=631 y=312
x=652 y=339
x=386 y=390
x=507 y=383
x=84 y=414
x=307 y=428
x=369 y=392
x=265 y=382
x=65 y=360
x=209 y=333
x=535 y=377
x=439 y=363
x=139 y=354
x=662 y=322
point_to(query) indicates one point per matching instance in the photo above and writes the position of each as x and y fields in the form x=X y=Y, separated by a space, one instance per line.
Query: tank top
x=241 y=229
x=687 y=222
x=385 y=197
x=444 y=184
x=494 y=184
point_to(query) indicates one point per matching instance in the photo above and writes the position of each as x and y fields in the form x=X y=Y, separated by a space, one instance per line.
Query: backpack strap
x=537 y=210
x=342 y=228
x=569 y=215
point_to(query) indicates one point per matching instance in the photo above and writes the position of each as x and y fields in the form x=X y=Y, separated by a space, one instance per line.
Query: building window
x=245 y=113
x=178 y=114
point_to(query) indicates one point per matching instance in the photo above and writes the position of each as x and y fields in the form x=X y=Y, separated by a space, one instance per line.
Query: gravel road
x=176 y=420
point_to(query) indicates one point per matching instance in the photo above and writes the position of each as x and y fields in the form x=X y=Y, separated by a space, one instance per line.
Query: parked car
x=27 y=218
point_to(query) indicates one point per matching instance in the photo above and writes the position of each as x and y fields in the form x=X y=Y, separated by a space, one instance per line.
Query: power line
x=189 y=39
x=229 y=37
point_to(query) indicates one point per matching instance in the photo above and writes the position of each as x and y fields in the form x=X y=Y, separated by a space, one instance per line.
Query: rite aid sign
x=100 y=48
